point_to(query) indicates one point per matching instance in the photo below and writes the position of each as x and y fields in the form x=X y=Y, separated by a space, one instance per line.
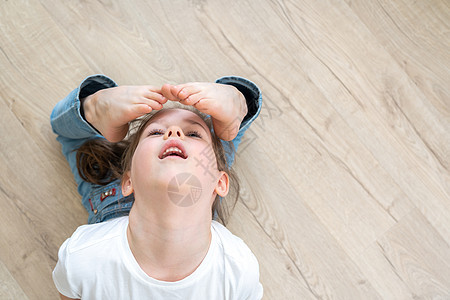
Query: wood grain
x=9 y=289
x=345 y=174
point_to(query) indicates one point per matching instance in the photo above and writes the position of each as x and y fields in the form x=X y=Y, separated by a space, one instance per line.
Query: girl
x=155 y=236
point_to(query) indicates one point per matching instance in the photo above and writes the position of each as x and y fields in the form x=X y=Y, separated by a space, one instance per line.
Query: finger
x=142 y=109
x=204 y=106
x=192 y=99
x=188 y=90
x=155 y=89
x=175 y=89
x=194 y=85
x=152 y=88
x=152 y=103
x=166 y=91
x=155 y=96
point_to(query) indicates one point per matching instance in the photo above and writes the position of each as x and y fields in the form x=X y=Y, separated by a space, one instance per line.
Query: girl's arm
x=70 y=117
x=251 y=93
x=67 y=118
x=253 y=99
x=67 y=121
x=98 y=105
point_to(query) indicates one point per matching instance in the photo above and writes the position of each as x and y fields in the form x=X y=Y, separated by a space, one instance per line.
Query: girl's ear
x=127 y=186
x=223 y=184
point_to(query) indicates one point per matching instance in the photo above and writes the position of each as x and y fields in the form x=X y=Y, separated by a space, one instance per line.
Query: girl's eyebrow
x=195 y=122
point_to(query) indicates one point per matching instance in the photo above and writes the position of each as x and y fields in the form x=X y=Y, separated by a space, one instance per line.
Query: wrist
x=243 y=105
x=88 y=107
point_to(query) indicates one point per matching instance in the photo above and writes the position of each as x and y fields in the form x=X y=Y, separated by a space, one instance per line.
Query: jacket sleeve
x=253 y=98
x=72 y=129
x=67 y=118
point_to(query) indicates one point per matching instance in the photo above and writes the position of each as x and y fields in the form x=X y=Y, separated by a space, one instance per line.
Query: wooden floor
x=345 y=175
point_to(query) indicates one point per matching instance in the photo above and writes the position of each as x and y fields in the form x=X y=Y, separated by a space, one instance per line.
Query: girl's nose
x=174 y=132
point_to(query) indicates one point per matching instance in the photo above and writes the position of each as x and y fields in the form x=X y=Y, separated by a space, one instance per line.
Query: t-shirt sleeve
x=61 y=273
x=250 y=287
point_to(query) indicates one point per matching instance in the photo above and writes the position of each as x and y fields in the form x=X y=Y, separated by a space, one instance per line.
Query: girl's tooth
x=172 y=149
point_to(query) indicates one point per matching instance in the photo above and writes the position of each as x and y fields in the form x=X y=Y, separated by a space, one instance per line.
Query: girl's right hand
x=110 y=110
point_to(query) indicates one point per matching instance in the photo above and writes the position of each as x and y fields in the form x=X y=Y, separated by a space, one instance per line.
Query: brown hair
x=101 y=162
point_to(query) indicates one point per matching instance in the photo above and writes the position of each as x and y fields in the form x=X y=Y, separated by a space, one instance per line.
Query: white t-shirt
x=97 y=263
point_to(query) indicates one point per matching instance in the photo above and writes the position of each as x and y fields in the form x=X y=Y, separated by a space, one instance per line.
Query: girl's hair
x=101 y=162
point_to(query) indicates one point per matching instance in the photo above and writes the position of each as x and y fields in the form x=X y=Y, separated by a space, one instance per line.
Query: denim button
x=111 y=192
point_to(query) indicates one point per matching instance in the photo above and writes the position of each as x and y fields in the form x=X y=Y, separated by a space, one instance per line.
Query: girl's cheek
x=206 y=160
x=143 y=154
x=147 y=147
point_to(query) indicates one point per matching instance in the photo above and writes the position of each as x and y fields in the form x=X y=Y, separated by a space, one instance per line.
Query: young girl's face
x=174 y=142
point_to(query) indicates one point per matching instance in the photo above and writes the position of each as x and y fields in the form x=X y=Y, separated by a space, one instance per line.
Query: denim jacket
x=104 y=202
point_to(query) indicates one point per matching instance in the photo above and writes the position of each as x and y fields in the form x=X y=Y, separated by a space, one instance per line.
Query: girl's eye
x=194 y=134
x=156 y=132
x=161 y=132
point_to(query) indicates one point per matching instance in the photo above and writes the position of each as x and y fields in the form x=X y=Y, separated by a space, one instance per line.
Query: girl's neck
x=168 y=246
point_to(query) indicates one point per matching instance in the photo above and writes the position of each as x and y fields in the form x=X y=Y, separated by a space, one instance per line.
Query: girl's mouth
x=173 y=151
x=173 y=147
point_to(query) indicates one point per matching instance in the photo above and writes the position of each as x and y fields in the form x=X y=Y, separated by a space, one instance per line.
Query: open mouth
x=173 y=148
x=173 y=151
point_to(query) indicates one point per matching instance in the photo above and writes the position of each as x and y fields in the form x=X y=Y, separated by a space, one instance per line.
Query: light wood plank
x=34 y=77
x=323 y=266
x=414 y=261
x=345 y=173
x=339 y=202
x=420 y=46
x=31 y=227
x=368 y=94
x=9 y=289
x=37 y=216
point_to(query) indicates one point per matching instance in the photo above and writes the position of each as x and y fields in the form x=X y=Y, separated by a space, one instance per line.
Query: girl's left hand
x=224 y=103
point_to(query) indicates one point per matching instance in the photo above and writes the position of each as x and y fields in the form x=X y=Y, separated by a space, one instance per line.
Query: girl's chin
x=166 y=175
